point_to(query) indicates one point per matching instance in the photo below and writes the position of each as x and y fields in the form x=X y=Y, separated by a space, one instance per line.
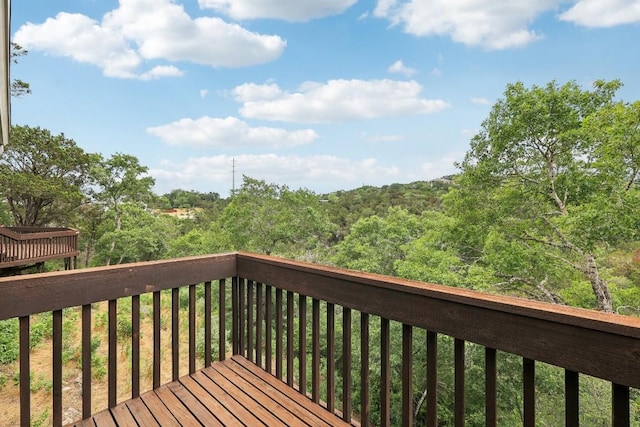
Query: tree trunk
x=600 y=287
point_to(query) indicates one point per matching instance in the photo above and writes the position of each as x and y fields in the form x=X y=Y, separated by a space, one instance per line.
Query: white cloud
x=603 y=13
x=493 y=24
x=400 y=68
x=148 y=30
x=336 y=100
x=204 y=93
x=322 y=172
x=287 y=10
x=229 y=132
x=437 y=72
x=441 y=167
x=480 y=101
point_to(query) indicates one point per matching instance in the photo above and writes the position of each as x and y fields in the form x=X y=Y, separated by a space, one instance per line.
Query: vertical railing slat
x=331 y=358
x=279 y=333
x=268 y=333
x=259 y=323
x=459 y=362
x=250 y=320
x=192 y=329
x=290 y=338
x=25 y=373
x=529 y=392
x=207 y=324
x=571 y=398
x=315 y=350
x=432 y=379
x=407 y=375
x=346 y=364
x=235 y=316
x=302 y=344
x=135 y=346
x=57 y=367
x=365 y=408
x=385 y=373
x=175 y=334
x=491 y=395
x=242 y=306
x=156 y=340
x=620 y=416
x=222 y=319
x=113 y=353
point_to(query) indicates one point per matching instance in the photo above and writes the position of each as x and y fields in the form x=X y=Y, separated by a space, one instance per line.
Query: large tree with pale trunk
x=549 y=184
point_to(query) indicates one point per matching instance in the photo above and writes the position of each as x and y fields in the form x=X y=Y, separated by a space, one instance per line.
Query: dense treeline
x=544 y=206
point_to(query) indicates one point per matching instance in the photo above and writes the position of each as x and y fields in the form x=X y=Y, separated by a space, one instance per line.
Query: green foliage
x=9 y=345
x=43 y=177
x=269 y=218
x=536 y=200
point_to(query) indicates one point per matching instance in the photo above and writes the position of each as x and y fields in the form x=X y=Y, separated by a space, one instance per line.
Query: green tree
x=43 y=177
x=18 y=87
x=535 y=197
x=121 y=180
x=376 y=243
x=270 y=218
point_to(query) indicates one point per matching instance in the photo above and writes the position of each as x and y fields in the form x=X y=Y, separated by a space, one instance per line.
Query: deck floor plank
x=234 y=392
x=292 y=394
x=141 y=413
x=297 y=410
x=159 y=410
x=265 y=399
x=264 y=416
x=123 y=417
x=228 y=411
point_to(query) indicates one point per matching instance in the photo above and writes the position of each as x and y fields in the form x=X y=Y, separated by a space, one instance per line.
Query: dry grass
x=40 y=358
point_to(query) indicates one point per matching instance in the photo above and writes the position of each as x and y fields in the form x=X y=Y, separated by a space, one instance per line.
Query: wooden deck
x=234 y=392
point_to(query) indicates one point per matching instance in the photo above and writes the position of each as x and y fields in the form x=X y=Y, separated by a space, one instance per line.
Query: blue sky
x=321 y=94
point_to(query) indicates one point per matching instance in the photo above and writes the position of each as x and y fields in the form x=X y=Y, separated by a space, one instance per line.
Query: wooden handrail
x=581 y=341
x=572 y=338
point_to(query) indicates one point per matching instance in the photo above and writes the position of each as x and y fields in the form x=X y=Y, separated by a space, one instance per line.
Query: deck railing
x=328 y=333
x=30 y=245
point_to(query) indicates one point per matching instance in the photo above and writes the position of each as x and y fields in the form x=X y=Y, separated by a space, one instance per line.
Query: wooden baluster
x=459 y=362
x=57 y=368
x=385 y=373
x=135 y=346
x=346 y=364
x=259 y=323
x=207 y=324
x=279 y=333
x=250 y=322
x=268 y=332
x=156 y=339
x=25 y=373
x=529 y=391
x=620 y=406
x=365 y=408
x=113 y=353
x=222 y=322
x=175 y=334
x=331 y=358
x=432 y=379
x=290 y=338
x=302 y=344
x=315 y=350
x=407 y=375
x=491 y=396
x=571 y=398
x=192 y=329
x=235 y=316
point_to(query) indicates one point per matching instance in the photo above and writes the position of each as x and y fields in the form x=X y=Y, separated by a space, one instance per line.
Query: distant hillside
x=347 y=206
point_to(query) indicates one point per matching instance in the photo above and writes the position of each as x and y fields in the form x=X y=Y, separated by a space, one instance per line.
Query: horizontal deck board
x=233 y=392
